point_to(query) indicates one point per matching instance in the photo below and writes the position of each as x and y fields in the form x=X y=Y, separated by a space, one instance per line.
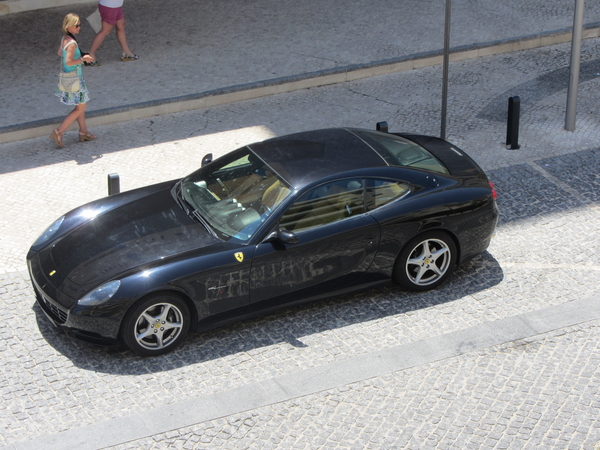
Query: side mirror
x=288 y=237
x=282 y=236
x=206 y=160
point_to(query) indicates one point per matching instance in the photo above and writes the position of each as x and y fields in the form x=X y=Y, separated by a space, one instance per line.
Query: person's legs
x=84 y=134
x=71 y=117
x=99 y=38
x=81 y=120
x=74 y=115
x=122 y=37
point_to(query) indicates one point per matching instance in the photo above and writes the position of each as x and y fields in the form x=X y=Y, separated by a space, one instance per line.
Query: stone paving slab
x=544 y=254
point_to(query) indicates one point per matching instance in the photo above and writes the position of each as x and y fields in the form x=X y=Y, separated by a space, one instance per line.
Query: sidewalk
x=203 y=53
x=18 y=6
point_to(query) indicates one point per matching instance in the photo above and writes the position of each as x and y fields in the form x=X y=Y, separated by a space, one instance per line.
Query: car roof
x=305 y=157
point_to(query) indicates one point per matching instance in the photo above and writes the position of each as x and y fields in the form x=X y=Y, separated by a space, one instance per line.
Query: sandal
x=126 y=57
x=56 y=136
x=86 y=136
x=92 y=64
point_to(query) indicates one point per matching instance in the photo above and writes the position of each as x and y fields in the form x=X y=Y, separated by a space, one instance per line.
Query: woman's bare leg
x=99 y=38
x=72 y=117
x=122 y=37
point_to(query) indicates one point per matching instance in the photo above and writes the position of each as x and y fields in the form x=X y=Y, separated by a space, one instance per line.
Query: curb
x=248 y=91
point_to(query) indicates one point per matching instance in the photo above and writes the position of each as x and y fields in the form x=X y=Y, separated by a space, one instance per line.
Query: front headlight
x=100 y=294
x=50 y=231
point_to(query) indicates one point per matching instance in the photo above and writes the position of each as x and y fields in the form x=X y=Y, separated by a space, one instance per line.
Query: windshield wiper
x=203 y=221
x=178 y=196
x=187 y=207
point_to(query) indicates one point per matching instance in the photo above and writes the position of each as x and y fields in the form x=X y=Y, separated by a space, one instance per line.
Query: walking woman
x=111 y=13
x=72 y=60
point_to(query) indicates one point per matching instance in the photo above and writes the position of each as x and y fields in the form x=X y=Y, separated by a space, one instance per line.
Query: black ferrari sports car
x=274 y=223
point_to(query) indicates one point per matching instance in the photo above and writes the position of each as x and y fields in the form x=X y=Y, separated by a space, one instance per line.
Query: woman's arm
x=71 y=53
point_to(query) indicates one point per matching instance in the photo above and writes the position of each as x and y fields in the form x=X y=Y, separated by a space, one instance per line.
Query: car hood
x=135 y=233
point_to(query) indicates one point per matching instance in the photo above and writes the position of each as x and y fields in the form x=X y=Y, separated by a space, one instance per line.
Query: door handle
x=369 y=240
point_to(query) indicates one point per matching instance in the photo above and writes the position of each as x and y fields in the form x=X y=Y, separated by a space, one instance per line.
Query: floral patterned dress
x=73 y=98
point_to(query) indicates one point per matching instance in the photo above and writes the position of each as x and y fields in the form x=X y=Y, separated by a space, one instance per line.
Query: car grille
x=58 y=314
x=55 y=312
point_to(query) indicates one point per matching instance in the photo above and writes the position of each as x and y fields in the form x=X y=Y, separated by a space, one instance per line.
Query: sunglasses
x=77 y=26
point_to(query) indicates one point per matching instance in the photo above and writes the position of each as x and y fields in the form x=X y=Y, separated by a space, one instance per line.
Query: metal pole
x=446 y=63
x=574 y=70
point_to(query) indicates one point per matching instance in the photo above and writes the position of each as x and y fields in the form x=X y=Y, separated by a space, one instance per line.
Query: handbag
x=69 y=81
x=95 y=21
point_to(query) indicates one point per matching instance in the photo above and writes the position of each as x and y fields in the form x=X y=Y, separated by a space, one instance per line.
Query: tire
x=156 y=324
x=426 y=261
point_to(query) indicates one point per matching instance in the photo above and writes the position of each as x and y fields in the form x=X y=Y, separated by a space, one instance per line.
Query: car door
x=336 y=245
x=218 y=279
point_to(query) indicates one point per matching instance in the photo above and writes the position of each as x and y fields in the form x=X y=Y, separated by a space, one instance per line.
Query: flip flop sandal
x=125 y=57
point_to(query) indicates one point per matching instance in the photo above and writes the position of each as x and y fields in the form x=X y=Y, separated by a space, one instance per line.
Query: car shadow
x=289 y=325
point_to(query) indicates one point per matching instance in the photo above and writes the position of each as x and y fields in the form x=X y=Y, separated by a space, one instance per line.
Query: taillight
x=494 y=194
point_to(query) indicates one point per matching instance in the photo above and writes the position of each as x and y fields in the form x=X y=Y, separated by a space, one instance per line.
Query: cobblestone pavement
x=192 y=46
x=540 y=392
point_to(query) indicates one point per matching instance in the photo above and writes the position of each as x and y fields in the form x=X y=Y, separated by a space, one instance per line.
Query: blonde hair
x=70 y=20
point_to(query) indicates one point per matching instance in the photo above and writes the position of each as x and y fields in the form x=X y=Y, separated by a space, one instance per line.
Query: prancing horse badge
x=239 y=256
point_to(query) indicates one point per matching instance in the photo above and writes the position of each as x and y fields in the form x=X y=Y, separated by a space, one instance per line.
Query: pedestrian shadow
x=289 y=326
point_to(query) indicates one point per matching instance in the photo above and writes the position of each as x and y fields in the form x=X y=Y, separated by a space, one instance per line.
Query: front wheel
x=156 y=325
x=426 y=261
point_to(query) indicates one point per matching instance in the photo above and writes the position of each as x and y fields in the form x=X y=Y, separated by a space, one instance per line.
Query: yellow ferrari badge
x=239 y=256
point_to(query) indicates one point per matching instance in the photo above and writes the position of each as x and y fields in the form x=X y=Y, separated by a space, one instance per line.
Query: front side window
x=235 y=194
x=325 y=204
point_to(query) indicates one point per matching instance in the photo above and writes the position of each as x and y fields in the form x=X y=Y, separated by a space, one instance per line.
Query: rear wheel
x=156 y=325
x=426 y=261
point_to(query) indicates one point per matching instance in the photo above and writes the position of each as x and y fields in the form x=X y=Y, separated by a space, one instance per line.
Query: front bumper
x=86 y=323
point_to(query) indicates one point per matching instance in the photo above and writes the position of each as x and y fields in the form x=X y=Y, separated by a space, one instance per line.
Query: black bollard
x=113 y=184
x=382 y=126
x=512 y=125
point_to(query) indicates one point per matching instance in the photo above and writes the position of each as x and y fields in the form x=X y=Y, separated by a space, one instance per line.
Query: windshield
x=234 y=194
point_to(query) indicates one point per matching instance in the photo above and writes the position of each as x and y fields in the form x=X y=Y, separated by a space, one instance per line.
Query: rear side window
x=325 y=204
x=382 y=192
x=397 y=151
